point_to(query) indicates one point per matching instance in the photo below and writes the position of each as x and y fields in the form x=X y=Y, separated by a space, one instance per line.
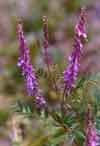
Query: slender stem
x=62 y=102
x=46 y=44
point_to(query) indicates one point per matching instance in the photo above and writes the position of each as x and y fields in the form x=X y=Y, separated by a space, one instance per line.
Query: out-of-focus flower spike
x=45 y=30
x=47 y=58
x=92 y=138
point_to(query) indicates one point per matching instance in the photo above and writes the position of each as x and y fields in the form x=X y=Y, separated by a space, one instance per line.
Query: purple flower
x=40 y=102
x=71 y=73
x=25 y=64
x=80 y=28
x=92 y=138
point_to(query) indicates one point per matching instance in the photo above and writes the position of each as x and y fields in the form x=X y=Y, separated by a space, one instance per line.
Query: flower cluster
x=92 y=138
x=71 y=73
x=27 y=69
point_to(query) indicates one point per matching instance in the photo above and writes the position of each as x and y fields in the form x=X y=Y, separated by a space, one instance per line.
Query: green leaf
x=69 y=120
x=3 y=116
x=24 y=108
x=80 y=134
x=58 y=139
x=40 y=141
x=57 y=117
x=81 y=82
x=59 y=132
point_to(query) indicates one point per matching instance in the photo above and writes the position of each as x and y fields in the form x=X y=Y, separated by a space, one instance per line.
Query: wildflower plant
x=71 y=73
x=71 y=117
x=27 y=69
